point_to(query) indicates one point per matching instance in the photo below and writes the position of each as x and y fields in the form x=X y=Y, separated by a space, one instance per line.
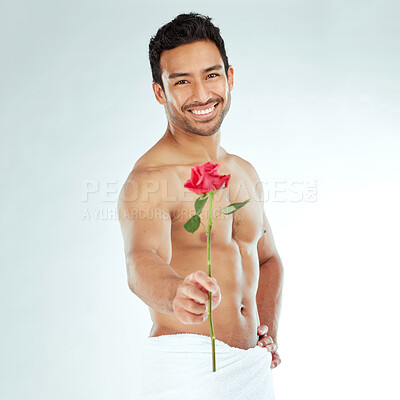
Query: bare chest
x=244 y=225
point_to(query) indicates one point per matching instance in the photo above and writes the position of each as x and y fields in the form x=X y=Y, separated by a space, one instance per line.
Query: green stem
x=210 y=224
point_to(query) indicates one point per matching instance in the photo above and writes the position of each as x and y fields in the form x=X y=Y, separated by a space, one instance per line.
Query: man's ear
x=159 y=93
x=230 y=78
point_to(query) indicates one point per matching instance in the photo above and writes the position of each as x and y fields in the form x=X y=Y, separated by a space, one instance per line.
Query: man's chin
x=205 y=132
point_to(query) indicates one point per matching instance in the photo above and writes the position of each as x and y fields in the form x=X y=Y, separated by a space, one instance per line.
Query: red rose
x=205 y=178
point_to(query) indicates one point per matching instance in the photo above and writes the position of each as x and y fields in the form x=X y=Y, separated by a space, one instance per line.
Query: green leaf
x=192 y=224
x=233 y=207
x=199 y=204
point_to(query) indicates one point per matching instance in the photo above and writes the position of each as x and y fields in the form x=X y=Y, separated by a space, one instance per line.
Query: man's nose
x=200 y=92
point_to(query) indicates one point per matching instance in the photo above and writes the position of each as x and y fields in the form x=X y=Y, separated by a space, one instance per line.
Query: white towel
x=179 y=367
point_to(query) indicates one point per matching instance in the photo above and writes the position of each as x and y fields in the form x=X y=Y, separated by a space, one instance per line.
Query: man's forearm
x=269 y=294
x=153 y=281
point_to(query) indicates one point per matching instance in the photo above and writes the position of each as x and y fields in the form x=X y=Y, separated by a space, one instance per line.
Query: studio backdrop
x=316 y=110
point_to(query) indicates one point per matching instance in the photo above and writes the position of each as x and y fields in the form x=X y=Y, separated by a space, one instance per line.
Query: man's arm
x=146 y=225
x=269 y=293
x=146 y=228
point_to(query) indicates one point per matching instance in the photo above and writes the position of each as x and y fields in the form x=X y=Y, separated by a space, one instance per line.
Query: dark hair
x=184 y=29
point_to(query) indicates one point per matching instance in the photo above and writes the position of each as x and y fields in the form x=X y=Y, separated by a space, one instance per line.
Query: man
x=167 y=266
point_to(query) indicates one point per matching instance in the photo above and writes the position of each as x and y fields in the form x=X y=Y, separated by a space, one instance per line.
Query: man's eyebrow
x=213 y=68
x=180 y=74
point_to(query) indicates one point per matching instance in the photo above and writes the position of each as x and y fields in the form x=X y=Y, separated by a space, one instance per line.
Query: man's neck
x=196 y=146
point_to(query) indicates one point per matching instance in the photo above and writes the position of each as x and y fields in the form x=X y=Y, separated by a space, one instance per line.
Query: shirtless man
x=166 y=265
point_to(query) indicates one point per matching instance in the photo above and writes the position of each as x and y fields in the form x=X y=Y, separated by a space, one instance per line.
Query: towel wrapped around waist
x=179 y=367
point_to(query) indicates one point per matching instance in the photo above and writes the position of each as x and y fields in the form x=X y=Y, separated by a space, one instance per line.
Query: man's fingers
x=276 y=360
x=191 y=301
x=266 y=340
x=215 y=299
x=210 y=284
x=268 y=343
x=262 y=330
x=190 y=312
x=192 y=292
x=270 y=347
x=191 y=319
x=194 y=307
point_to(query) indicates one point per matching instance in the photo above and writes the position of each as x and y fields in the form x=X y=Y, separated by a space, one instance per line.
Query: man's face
x=196 y=89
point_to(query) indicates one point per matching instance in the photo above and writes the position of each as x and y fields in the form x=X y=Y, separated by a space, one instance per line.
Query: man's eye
x=181 y=82
x=212 y=75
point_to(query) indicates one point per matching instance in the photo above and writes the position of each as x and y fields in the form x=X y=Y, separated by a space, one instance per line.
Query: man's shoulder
x=151 y=160
x=147 y=189
x=152 y=164
x=243 y=164
x=151 y=176
x=250 y=174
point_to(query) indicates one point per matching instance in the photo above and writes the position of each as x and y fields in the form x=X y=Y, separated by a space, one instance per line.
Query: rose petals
x=205 y=178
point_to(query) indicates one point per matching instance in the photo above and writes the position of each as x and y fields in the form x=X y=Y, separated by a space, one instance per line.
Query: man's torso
x=234 y=257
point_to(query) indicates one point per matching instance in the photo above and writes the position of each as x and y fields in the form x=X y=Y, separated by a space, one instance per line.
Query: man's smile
x=204 y=112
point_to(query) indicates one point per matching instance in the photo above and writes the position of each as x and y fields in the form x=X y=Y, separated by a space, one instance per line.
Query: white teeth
x=202 y=112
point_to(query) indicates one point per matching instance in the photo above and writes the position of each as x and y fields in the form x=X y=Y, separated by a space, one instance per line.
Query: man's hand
x=268 y=343
x=191 y=301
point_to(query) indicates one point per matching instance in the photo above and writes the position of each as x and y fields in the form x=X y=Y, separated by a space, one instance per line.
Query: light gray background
x=316 y=99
